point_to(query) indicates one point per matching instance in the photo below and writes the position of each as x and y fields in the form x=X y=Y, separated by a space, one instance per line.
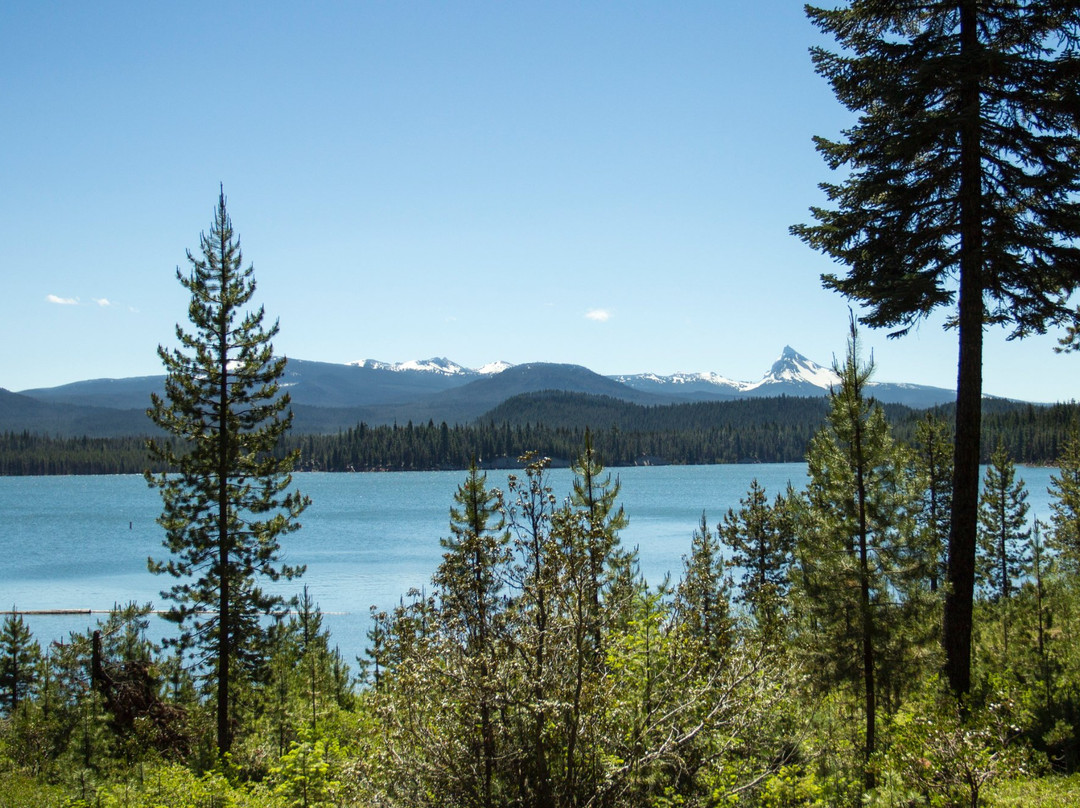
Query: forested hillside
x=772 y=430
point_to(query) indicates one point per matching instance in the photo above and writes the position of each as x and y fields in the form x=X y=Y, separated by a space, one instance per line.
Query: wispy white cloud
x=62 y=301
x=598 y=315
x=102 y=301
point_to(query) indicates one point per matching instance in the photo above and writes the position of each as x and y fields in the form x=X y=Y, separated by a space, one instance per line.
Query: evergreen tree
x=228 y=503
x=933 y=481
x=1039 y=567
x=1003 y=530
x=596 y=494
x=20 y=655
x=537 y=577
x=853 y=525
x=1003 y=558
x=702 y=597
x=302 y=680
x=326 y=683
x=1064 y=491
x=761 y=540
x=472 y=575
x=961 y=192
x=314 y=648
x=471 y=580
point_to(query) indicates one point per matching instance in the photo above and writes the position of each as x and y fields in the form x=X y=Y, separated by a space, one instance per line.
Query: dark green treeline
x=776 y=430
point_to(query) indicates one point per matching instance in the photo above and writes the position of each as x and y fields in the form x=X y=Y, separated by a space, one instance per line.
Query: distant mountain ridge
x=328 y=396
x=439 y=365
x=792 y=374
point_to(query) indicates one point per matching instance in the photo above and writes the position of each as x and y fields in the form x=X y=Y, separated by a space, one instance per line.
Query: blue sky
x=607 y=184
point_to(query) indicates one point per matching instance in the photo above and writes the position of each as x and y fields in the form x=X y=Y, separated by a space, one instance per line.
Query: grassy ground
x=186 y=791
x=1042 y=792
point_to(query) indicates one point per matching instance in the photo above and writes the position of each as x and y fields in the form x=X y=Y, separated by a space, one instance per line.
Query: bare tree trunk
x=959 y=597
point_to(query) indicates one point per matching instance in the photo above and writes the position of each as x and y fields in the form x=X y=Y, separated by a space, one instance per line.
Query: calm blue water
x=83 y=542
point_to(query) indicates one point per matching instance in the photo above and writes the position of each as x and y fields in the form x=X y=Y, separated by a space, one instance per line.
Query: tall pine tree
x=471 y=582
x=961 y=193
x=1003 y=554
x=854 y=524
x=226 y=499
x=1003 y=527
x=595 y=494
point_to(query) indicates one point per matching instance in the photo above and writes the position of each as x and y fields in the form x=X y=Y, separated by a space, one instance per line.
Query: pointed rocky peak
x=792 y=366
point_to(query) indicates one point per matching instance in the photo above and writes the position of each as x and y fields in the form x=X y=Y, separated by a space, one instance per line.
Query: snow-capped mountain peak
x=438 y=365
x=793 y=367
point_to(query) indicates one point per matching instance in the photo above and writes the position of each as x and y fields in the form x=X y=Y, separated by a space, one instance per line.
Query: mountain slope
x=327 y=396
x=324 y=384
x=792 y=374
x=119 y=394
x=22 y=413
x=470 y=401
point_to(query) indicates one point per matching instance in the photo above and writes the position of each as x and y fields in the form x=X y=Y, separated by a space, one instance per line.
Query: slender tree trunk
x=959 y=597
x=487 y=737
x=484 y=649
x=866 y=617
x=545 y=797
x=1005 y=589
x=1044 y=667
x=224 y=736
x=868 y=664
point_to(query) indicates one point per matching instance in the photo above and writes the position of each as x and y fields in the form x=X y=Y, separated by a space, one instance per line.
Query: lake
x=83 y=542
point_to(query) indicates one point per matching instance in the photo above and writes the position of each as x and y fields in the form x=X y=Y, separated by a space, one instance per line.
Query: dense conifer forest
x=776 y=430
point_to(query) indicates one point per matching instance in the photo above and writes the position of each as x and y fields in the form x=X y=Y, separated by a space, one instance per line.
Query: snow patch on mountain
x=438 y=365
x=708 y=377
x=491 y=368
x=370 y=364
x=683 y=380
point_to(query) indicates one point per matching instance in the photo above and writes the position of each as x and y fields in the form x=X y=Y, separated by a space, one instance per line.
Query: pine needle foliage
x=1003 y=528
x=228 y=503
x=1065 y=505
